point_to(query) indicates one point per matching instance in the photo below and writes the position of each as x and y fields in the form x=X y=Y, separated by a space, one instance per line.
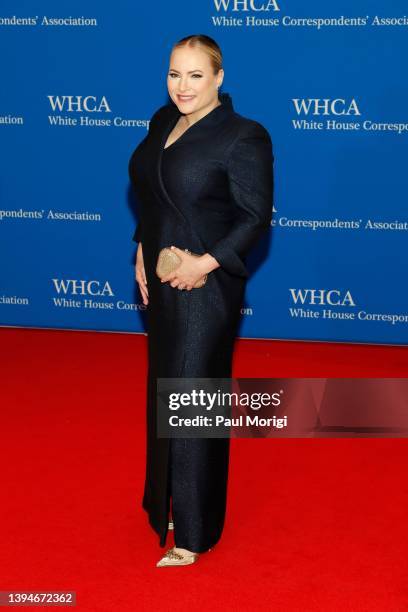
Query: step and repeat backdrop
x=79 y=84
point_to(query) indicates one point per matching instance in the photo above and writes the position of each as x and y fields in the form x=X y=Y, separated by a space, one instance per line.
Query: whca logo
x=82 y=287
x=325 y=106
x=79 y=104
x=246 y=5
x=322 y=297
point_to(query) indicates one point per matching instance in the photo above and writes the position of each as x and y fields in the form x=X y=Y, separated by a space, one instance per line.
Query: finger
x=177 y=250
x=142 y=285
x=168 y=277
x=144 y=296
x=145 y=284
x=140 y=279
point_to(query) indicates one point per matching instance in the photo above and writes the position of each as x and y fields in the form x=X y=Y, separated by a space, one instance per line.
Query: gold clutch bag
x=168 y=261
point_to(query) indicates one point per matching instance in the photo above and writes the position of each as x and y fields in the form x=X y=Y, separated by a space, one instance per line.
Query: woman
x=204 y=178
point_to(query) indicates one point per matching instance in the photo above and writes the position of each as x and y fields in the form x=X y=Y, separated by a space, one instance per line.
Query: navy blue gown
x=210 y=191
x=198 y=468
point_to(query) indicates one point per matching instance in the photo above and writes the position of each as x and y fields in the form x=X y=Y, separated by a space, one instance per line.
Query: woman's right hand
x=140 y=274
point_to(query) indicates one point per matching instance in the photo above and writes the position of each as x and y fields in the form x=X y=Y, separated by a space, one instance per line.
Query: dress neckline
x=213 y=114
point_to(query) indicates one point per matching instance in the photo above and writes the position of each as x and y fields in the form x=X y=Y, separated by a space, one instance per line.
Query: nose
x=183 y=85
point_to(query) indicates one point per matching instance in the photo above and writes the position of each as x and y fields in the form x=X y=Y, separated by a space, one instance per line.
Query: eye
x=197 y=75
x=172 y=74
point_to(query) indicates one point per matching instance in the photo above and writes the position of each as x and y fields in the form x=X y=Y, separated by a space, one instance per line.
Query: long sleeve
x=137 y=235
x=251 y=185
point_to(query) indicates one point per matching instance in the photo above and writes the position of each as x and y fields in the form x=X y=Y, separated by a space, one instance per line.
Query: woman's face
x=191 y=81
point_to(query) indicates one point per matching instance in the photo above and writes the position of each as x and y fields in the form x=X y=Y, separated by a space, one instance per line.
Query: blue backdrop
x=80 y=82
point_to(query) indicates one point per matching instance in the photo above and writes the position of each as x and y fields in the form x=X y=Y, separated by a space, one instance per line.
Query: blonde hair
x=207 y=44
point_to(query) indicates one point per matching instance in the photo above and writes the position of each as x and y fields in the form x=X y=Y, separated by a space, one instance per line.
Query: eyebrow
x=189 y=72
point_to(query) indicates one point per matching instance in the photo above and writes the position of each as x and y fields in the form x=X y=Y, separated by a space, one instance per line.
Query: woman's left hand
x=190 y=270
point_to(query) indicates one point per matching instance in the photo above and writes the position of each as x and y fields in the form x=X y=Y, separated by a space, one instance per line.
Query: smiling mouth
x=185 y=98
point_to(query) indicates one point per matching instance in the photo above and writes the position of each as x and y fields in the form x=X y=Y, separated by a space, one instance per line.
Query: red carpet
x=312 y=524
